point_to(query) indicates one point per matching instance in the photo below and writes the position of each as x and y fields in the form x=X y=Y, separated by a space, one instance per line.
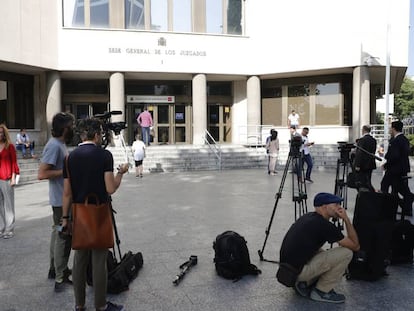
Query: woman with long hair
x=272 y=148
x=8 y=171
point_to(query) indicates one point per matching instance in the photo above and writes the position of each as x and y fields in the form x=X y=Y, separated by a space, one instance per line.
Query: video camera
x=344 y=149
x=295 y=143
x=108 y=126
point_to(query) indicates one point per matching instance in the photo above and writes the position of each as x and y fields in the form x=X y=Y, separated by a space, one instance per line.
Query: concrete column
x=117 y=95
x=199 y=108
x=253 y=105
x=239 y=113
x=360 y=101
x=54 y=97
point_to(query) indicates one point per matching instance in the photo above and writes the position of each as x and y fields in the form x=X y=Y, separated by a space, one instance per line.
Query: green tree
x=404 y=100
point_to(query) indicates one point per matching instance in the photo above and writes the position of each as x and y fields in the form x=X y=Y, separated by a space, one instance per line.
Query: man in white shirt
x=307 y=158
x=293 y=120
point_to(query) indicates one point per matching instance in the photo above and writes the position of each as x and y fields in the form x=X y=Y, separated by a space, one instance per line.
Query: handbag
x=92 y=226
x=287 y=274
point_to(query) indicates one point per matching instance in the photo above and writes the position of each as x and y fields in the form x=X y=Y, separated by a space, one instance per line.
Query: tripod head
x=109 y=126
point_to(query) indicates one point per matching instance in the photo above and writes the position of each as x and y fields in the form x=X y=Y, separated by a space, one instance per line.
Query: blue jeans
x=146 y=135
x=309 y=164
x=23 y=148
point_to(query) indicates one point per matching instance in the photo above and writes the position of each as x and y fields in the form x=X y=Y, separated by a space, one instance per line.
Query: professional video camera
x=344 y=149
x=295 y=144
x=108 y=126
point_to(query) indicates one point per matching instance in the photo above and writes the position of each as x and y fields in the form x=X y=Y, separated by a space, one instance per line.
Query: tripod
x=299 y=196
x=341 y=179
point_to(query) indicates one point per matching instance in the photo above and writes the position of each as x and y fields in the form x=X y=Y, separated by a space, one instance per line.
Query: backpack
x=231 y=257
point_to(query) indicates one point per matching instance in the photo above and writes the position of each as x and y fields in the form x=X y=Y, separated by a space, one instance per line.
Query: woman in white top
x=138 y=147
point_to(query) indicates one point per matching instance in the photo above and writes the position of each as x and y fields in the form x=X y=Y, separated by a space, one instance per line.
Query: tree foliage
x=404 y=100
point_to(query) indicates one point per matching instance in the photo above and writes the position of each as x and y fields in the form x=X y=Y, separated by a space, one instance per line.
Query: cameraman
x=320 y=271
x=90 y=170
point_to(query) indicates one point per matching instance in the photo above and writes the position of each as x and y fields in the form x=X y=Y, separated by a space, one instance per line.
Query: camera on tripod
x=295 y=143
x=345 y=149
x=108 y=126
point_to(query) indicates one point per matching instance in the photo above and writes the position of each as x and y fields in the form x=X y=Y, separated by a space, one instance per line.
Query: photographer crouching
x=319 y=271
x=89 y=169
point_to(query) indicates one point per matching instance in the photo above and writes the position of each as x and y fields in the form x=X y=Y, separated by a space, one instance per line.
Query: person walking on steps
x=145 y=121
x=320 y=270
x=138 y=148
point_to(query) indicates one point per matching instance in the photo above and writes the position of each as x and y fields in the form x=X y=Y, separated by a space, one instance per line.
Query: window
x=234 y=15
x=134 y=14
x=328 y=103
x=99 y=13
x=182 y=15
x=73 y=13
x=214 y=16
x=159 y=15
x=16 y=100
x=272 y=107
x=299 y=101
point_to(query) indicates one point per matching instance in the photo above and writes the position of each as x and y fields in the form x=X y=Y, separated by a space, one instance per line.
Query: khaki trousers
x=327 y=267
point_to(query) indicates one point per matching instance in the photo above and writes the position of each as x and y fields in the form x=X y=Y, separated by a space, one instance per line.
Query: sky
x=410 y=70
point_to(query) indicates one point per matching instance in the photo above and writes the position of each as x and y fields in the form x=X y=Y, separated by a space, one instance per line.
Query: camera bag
x=231 y=257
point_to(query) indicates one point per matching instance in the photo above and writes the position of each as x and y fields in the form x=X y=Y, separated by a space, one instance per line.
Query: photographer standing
x=90 y=170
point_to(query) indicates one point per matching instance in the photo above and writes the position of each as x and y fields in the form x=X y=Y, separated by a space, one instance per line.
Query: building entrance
x=219 y=122
x=172 y=123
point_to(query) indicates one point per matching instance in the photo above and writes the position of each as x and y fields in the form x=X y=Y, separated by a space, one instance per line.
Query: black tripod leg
x=117 y=240
x=278 y=196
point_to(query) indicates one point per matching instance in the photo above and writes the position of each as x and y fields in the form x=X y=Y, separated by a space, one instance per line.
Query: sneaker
x=51 y=274
x=60 y=286
x=331 y=297
x=8 y=235
x=302 y=289
x=110 y=306
x=309 y=180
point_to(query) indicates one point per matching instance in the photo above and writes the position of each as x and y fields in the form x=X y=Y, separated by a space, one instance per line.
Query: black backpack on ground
x=231 y=257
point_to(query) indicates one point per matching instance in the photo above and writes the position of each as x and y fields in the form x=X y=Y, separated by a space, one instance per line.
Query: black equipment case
x=374 y=219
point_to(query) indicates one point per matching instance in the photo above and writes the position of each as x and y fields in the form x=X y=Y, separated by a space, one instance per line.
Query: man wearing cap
x=320 y=271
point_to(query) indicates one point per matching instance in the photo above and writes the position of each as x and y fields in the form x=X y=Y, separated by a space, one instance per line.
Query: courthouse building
x=229 y=67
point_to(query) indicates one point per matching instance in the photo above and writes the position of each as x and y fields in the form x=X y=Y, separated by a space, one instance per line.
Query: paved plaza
x=170 y=216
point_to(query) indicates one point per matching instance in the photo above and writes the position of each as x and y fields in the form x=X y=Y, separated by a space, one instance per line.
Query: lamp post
x=387 y=90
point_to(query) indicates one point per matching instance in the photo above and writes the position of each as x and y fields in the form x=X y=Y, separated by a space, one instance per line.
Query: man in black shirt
x=89 y=169
x=301 y=248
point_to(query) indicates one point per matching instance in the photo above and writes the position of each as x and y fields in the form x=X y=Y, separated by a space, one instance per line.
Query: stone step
x=176 y=158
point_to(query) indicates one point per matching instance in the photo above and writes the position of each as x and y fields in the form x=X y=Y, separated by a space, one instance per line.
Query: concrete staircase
x=178 y=158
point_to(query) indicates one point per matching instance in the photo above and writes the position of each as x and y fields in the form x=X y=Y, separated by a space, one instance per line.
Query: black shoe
x=52 y=274
x=66 y=273
x=309 y=180
x=60 y=286
x=302 y=289
x=110 y=306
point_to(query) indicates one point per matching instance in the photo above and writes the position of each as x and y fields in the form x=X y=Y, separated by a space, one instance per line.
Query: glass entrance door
x=171 y=123
x=219 y=122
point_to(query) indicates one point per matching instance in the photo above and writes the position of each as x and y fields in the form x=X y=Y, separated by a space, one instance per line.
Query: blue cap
x=326 y=198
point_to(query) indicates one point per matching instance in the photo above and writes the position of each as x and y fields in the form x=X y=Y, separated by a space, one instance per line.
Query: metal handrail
x=213 y=145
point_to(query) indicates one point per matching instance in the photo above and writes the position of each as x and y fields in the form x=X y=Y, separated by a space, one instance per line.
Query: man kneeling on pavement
x=320 y=270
